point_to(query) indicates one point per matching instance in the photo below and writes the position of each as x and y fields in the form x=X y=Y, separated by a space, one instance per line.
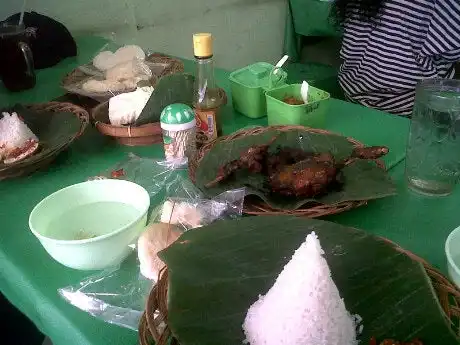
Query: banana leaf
x=218 y=271
x=54 y=131
x=362 y=180
x=174 y=88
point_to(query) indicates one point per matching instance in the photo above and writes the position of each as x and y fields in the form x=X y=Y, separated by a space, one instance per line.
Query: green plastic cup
x=248 y=87
x=309 y=115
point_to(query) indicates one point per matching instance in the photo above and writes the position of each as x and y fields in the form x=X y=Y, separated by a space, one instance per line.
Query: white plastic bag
x=118 y=295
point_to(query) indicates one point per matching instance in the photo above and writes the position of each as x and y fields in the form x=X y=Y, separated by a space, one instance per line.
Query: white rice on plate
x=14 y=134
x=303 y=307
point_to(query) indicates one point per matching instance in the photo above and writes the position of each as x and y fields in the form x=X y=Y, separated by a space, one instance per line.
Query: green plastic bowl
x=248 y=87
x=310 y=115
x=453 y=256
x=91 y=225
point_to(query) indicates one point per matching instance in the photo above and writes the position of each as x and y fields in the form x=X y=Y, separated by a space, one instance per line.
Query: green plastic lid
x=177 y=117
x=258 y=75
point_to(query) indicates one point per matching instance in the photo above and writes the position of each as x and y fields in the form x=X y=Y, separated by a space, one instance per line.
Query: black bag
x=49 y=40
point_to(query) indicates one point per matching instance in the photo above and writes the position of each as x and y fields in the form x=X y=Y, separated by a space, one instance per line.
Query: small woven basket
x=72 y=81
x=153 y=325
x=147 y=134
x=257 y=207
x=23 y=167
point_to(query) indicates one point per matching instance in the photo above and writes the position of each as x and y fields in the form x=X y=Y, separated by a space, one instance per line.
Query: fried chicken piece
x=285 y=156
x=307 y=178
x=252 y=159
x=295 y=172
x=314 y=175
x=371 y=152
x=368 y=153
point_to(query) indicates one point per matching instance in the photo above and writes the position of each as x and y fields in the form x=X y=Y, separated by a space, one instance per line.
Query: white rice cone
x=13 y=132
x=303 y=307
x=16 y=139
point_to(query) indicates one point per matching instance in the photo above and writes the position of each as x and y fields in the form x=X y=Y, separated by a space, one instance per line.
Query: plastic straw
x=21 y=17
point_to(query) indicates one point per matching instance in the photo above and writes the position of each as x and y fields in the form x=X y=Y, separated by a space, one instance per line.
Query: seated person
x=389 y=45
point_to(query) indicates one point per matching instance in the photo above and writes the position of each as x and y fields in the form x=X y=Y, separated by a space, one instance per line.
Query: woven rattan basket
x=147 y=134
x=28 y=166
x=254 y=206
x=169 y=65
x=153 y=324
x=126 y=135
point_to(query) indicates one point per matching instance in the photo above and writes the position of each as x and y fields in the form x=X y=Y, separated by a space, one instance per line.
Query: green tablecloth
x=29 y=278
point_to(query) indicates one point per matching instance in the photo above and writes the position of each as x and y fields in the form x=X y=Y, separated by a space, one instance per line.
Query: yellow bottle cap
x=202 y=45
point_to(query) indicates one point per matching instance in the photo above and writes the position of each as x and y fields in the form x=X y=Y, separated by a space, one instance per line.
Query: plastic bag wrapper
x=119 y=295
x=116 y=296
x=123 y=77
x=184 y=208
x=154 y=175
x=115 y=69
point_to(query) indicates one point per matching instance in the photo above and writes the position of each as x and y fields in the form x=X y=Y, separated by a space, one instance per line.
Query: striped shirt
x=411 y=40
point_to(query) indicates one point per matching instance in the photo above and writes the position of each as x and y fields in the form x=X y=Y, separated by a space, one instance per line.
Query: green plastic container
x=248 y=87
x=310 y=115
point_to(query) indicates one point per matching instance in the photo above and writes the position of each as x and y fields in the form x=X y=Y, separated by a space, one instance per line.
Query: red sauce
x=19 y=151
x=292 y=100
x=117 y=173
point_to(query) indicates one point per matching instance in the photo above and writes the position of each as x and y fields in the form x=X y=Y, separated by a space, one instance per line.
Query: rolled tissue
x=303 y=307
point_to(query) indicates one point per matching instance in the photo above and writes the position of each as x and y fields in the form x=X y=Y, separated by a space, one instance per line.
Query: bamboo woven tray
x=153 y=324
x=147 y=134
x=254 y=206
x=75 y=78
x=37 y=162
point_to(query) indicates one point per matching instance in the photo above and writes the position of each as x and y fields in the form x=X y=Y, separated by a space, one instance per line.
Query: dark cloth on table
x=49 y=40
x=17 y=329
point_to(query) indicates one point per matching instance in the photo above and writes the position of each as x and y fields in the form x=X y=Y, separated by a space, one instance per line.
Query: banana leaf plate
x=363 y=180
x=56 y=125
x=215 y=273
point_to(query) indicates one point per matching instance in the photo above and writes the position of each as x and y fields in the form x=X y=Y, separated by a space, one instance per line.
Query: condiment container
x=207 y=99
x=249 y=85
x=311 y=114
x=179 y=131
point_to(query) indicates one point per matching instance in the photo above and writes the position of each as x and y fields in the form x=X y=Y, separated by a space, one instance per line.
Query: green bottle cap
x=177 y=117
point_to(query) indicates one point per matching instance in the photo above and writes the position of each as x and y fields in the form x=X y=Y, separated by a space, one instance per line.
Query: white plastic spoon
x=280 y=63
x=304 y=92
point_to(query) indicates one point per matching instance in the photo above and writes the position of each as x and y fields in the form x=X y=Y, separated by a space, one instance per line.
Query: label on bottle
x=206 y=124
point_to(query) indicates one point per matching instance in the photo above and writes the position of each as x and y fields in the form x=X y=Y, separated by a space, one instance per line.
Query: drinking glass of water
x=433 y=152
